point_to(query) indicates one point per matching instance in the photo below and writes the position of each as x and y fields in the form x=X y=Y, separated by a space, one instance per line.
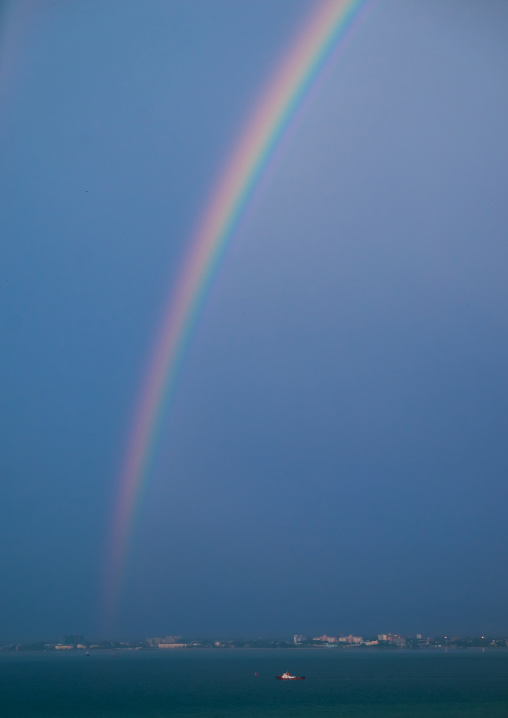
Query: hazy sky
x=336 y=455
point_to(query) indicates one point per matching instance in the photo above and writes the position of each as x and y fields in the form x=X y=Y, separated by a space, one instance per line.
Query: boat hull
x=290 y=678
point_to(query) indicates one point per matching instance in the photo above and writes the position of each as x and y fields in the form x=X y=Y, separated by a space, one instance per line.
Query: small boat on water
x=288 y=677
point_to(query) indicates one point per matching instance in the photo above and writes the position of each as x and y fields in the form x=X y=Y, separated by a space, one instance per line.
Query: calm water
x=221 y=684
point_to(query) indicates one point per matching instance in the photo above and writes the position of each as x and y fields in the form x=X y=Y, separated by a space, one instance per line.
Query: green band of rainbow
x=326 y=26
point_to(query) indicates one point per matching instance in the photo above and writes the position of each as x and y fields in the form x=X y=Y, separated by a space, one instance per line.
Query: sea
x=240 y=683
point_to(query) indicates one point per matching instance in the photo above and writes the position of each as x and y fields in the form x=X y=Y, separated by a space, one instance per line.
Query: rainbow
x=229 y=198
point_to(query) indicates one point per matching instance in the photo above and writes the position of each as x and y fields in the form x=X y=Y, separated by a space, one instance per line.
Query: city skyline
x=177 y=642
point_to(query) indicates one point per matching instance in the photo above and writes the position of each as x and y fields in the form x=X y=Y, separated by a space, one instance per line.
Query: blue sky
x=335 y=458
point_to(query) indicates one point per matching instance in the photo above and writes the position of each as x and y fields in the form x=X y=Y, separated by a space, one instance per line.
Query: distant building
x=393 y=638
x=350 y=639
x=325 y=639
x=72 y=639
x=298 y=638
x=166 y=639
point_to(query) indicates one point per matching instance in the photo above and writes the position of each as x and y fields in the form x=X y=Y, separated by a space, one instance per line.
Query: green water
x=221 y=684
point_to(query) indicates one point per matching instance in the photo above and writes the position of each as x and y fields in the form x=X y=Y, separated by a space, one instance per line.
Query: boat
x=288 y=677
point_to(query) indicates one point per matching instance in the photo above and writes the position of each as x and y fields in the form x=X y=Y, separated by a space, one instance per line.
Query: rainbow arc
x=326 y=27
